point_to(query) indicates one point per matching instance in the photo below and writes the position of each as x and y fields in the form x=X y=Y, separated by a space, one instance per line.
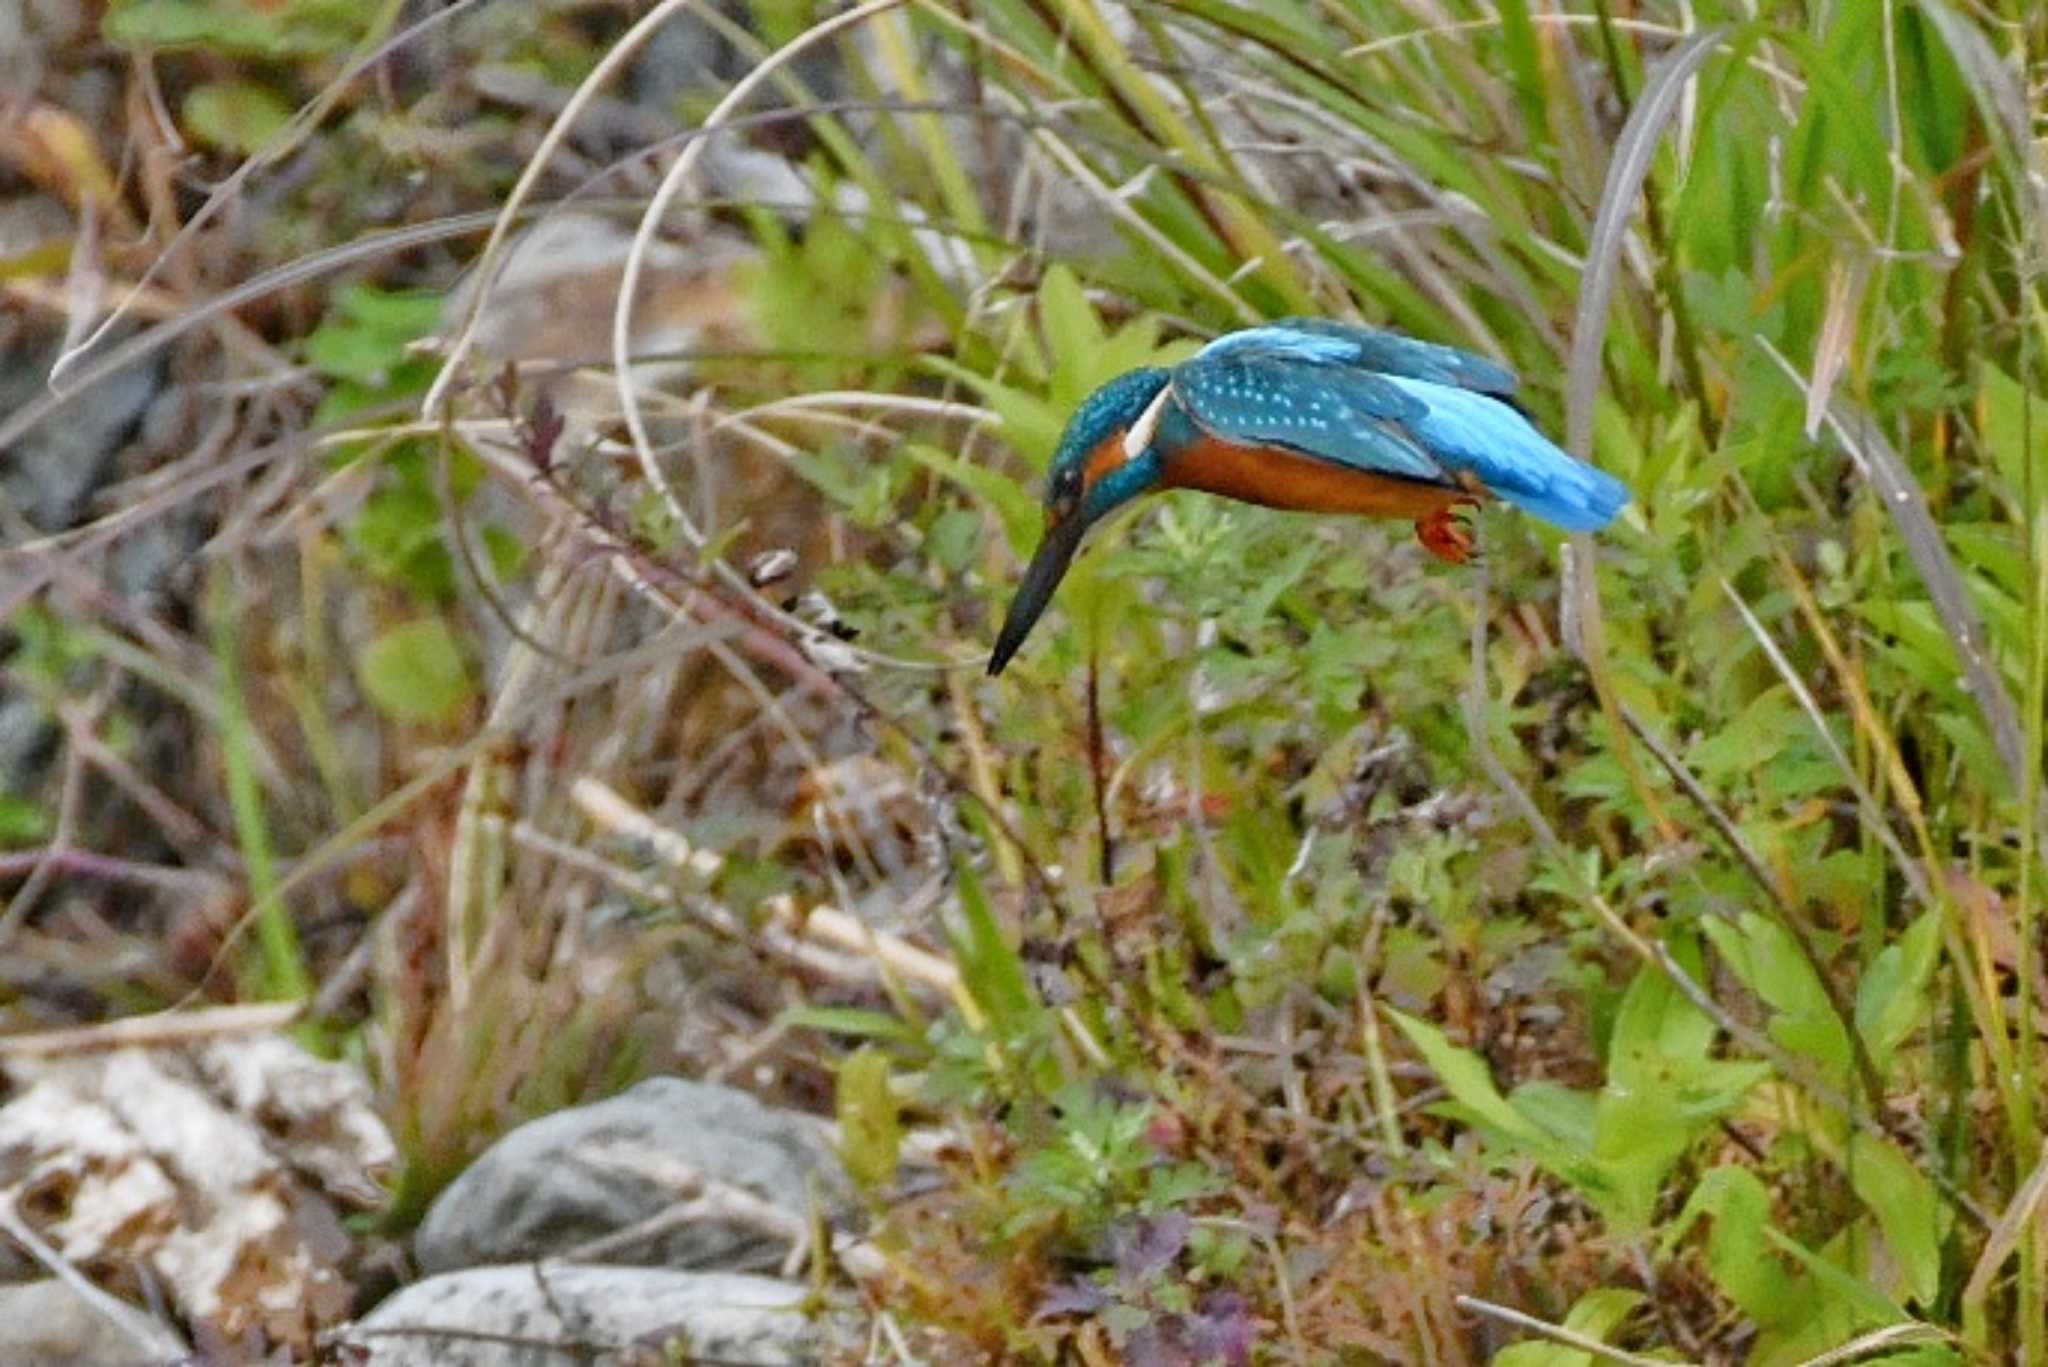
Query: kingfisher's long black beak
x=1041 y=577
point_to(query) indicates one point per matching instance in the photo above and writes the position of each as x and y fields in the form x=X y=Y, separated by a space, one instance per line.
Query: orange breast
x=1276 y=478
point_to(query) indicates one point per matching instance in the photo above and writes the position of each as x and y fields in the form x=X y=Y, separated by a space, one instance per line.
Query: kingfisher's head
x=1106 y=457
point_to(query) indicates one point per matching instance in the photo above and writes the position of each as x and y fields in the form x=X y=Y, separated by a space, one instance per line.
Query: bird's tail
x=1475 y=433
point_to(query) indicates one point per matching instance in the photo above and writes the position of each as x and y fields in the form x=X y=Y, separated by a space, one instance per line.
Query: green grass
x=1813 y=782
x=1653 y=950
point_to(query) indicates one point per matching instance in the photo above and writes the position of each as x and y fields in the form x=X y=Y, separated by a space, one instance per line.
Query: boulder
x=565 y=1179
x=545 y=1314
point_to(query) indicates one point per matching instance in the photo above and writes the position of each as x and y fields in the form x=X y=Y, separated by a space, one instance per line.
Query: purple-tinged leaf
x=1222 y=1329
x=1077 y=1297
x=1162 y=1343
x=1152 y=1247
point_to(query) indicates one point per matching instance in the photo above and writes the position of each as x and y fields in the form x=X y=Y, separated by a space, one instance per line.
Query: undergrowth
x=1631 y=946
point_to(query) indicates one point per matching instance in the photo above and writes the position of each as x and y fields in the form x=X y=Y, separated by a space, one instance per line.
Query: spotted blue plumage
x=1379 y=401
x=1351 y=395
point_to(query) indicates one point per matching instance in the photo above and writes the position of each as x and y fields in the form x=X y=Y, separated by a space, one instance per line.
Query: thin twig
x=1788 y=915
x=156 y=1031
x=1557 y=1332
x=115 y=1311
x=1888 y=1337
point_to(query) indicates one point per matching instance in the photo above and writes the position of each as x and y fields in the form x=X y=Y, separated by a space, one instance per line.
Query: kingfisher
x=1310 y=415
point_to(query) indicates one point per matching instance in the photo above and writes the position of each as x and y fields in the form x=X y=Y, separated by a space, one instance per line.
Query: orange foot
x=1446 y=533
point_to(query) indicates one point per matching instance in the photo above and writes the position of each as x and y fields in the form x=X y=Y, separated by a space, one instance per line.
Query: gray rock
x=47 y=1324
x=689 y=57
x=684 y=58
x=544 y=1315
x=579 y=1174
x=51 y=471
x=28 y=734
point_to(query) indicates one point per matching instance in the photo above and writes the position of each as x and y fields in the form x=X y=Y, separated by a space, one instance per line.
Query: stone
x=47 y=1324
x=210 y=1169
x=528 y=1315
x=52 y=472
x=580 y=1174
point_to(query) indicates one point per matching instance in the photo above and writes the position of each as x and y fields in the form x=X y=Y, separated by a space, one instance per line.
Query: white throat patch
x=1147 y=426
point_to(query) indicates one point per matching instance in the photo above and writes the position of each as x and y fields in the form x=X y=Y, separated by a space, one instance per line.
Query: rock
x=600 y=1315
x=52 y=471
x=316 y=1115
x=47 y=1324
x=692 y=58
x=28 y=735
x=684 y=59
x=209 y=1168
x=580 y=1174
x=552 y=298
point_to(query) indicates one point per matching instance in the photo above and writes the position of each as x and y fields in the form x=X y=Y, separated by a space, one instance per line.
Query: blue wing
x=1323 y=341
x=1390 y=404
x=1351 y=417
x=1476 y=434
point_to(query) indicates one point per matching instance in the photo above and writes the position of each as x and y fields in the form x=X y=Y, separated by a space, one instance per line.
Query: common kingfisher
x=1310 y=415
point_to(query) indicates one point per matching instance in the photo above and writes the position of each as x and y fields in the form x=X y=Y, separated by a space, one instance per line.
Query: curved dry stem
x=671 y=185
x=491 y=262
x=284 y=140
x=833 y=400
x=1906 y=503
x=1633 y=153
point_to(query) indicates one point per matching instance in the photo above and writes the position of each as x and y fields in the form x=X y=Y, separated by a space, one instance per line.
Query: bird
x=1309 y=415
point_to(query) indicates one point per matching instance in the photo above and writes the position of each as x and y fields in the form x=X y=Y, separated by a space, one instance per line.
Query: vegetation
x=1626 y=948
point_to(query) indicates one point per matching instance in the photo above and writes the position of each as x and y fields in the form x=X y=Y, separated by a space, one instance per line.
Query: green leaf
x=993 y=973
x=2014 y=426
x=1468 y=1080
x=1518 y=35
x=236 y=116
x=398 y=530
x=22 y=822
x=1739 y=1258
x=1031 y=423
x=1891 y=1001
x=1654 y=1022
x=296 y=28
x=1538 y=1353
x=1569 y=1115
x=1022 y=521
x=816 y=297
x=1596 y=1315
x=850 y=1020
x=1071 y=327
x=1600 y=1312
x=1842 y=1290
x=1640 y=1136
x=953 y=539
x=1768 y=960
x=870 y=1123
x=415 y=672
x=189 y=23
x=1906 y=1208
x=365 y=338
x=507 y=553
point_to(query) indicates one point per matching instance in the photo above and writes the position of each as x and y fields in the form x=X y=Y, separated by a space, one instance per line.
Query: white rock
x=523 y=1316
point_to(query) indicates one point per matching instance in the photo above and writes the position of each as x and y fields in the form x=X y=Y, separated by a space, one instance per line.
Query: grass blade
x=1633 y=153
